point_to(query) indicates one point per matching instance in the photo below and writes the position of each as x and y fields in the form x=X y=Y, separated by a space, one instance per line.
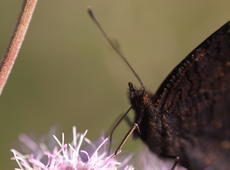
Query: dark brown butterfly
x=189 y=115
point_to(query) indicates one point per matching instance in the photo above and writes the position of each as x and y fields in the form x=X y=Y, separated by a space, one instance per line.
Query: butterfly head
x=136 y=95
x=140 y=100
x=147 y=117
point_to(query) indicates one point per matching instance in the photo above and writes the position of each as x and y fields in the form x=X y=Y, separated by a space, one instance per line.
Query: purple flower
x=67 y=156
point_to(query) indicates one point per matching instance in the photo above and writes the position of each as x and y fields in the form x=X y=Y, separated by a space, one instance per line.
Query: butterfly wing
x=197 y=92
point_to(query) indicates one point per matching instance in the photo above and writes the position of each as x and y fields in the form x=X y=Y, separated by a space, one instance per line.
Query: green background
x=66 y=73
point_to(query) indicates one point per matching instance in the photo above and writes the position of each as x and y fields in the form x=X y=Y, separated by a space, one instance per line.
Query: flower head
x=67 y=156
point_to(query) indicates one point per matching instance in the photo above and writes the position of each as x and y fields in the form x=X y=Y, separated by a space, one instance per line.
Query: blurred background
x=66 y=73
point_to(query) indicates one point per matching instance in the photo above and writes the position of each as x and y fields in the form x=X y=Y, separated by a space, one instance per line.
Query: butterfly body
x=189 y=115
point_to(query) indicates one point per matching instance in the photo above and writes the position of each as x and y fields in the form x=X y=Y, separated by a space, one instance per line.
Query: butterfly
x=188 y=117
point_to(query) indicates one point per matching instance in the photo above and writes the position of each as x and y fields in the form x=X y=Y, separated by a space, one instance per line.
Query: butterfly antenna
x=116 y=49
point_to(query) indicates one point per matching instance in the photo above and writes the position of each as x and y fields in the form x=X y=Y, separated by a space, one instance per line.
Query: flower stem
x=16 y=42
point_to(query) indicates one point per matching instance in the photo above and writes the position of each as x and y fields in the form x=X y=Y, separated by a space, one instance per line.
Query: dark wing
x=197 y=92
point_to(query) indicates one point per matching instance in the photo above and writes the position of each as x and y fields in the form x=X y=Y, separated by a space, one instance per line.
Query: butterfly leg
x=115 y=125
x=175 y=162
x=128 y=134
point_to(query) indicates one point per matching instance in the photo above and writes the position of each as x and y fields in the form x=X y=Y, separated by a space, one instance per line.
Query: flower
x=68 y=156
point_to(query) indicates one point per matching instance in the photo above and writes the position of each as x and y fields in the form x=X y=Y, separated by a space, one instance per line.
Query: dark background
x=66 y=73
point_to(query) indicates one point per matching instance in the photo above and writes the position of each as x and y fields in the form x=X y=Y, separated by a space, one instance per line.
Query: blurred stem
x=16 y=42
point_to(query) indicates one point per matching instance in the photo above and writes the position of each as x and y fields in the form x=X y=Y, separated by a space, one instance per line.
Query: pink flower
x=67 y=156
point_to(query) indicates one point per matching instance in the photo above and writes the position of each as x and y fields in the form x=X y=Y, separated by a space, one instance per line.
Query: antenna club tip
x=90 y=12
